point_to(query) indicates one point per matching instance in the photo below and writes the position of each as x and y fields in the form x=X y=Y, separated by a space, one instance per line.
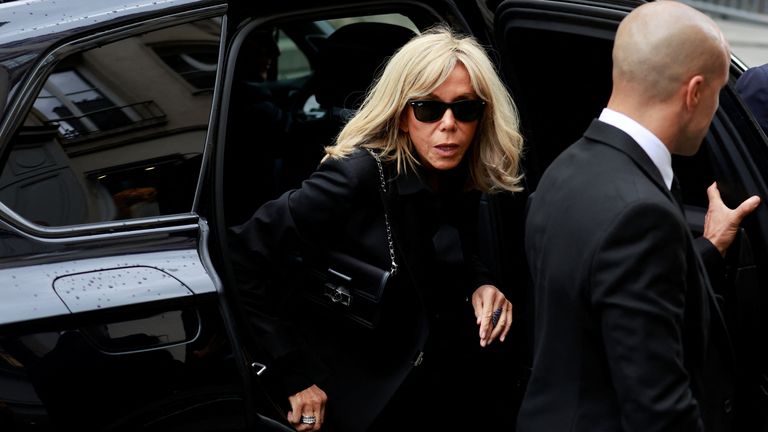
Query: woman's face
x=441 y=144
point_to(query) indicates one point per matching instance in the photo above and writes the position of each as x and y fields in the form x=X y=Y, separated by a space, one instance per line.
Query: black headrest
x=350 y=58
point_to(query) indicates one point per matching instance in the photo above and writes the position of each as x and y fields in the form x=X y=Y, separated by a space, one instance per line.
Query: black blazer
x=628 y=336
x=340 y=207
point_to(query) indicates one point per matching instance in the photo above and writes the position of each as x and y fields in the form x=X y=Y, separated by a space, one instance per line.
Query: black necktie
x=677 y=193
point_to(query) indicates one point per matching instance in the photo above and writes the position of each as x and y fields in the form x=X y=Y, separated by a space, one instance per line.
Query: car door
x=556 y=58
x=110 y=311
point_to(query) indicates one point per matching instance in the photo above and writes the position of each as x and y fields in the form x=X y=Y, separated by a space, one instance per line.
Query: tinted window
x=292 y=63
x=117 y=132
x=196 y=63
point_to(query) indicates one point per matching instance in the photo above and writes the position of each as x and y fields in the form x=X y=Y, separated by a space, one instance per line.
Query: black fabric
x=677 y=193
x=628 y=336
x=752 y=86
x=425 y=311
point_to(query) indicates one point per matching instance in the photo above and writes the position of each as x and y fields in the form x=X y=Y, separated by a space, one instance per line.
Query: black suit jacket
x=340 y=208
x=628 y=336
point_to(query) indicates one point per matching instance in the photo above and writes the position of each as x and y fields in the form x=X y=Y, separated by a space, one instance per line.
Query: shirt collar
x=650 y=143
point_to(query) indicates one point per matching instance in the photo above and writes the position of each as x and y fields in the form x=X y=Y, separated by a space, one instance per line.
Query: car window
x=293 y=62
x=117 y=131
x=394 y=18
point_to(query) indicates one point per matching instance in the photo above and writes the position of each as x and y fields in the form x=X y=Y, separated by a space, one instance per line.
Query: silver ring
x=308 y=419
x=495 y=317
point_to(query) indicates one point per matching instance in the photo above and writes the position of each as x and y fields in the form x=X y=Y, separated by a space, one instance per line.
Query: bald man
x=627 y=334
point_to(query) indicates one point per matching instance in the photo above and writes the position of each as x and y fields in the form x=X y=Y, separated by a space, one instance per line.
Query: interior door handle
x=258 y=368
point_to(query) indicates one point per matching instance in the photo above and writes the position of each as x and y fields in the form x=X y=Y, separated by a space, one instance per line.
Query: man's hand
x=722 y=223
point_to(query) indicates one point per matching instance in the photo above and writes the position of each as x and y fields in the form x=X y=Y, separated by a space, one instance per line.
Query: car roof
x=34 y=19
x=28 y=29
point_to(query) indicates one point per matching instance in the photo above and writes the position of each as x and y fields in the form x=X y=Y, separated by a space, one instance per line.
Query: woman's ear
x=404 y=121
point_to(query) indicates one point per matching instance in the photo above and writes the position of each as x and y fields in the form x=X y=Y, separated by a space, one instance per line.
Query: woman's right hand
x=308 y=404
x=488 y=300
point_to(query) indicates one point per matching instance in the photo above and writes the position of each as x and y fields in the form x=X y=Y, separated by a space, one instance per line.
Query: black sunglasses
x=430 y=111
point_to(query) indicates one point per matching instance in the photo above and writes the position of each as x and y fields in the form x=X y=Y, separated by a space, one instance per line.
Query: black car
x=133 y=133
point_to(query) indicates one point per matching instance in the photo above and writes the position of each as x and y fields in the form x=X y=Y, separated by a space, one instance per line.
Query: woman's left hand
x=493 y=312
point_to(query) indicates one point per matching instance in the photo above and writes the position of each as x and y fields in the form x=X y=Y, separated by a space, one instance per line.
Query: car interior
x=341 y=66
x=310 y=116
x=559 y=77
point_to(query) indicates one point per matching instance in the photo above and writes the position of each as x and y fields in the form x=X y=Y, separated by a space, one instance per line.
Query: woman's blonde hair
x=417 y=69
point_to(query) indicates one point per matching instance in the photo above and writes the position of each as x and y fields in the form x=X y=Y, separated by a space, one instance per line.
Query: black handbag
x=347 y=287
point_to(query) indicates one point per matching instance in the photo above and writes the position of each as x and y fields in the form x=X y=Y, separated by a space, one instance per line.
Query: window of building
x=195 y=63
x=78 y=108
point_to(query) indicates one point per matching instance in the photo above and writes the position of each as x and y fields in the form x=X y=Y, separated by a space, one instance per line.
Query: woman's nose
x=448 y=120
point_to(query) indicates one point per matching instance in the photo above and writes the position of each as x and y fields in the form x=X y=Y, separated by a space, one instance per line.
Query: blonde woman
x=443 y=128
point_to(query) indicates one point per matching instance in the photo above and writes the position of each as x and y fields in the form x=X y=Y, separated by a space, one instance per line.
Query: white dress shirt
x=650 y=143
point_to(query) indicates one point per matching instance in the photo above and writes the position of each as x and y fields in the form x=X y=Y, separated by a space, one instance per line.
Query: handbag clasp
x=338 y=294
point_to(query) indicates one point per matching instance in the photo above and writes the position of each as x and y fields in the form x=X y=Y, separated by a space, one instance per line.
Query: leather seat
x=350 y=59
x=347 y=63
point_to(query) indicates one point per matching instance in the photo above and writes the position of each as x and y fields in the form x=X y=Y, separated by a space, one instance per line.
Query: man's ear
x=693 y=92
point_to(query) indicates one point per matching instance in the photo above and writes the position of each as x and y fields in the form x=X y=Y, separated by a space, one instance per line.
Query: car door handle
x=258 y=368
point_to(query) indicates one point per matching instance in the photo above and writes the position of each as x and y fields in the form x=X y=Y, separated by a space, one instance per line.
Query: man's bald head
x=660 y=45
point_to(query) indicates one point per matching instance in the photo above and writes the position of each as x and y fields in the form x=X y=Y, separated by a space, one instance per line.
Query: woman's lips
x=447 y=149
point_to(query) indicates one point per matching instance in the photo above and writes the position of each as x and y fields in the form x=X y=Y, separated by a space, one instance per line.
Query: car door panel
x=120 y=372
x=41 y=290
x=738 y=158
x=90 y=342
x=110 y=313
x=554 y=56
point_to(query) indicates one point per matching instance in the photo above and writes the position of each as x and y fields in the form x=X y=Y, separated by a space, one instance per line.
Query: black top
x=340 y=207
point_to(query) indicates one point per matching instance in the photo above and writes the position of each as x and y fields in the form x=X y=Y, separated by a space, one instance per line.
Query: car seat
x=347 y=63
x=350 y=59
